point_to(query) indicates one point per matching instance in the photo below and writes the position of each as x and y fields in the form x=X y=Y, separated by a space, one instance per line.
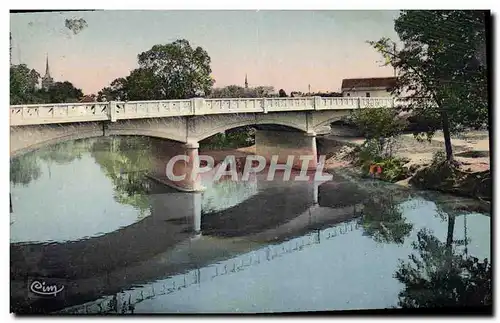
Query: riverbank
x=468 y=176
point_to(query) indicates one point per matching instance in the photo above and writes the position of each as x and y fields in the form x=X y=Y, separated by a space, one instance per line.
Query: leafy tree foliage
x=170 y=71
x=23 y=88
x=117 y=91
x=382 y=125
x=282 y=93
x=89 y=98
x=178 y=70
x=23 y=82
x=263 y=91
x=327 y=94
x=61 y=92
x=439 y=67
x=230 y=91
x=236 y=91
x=233 y=138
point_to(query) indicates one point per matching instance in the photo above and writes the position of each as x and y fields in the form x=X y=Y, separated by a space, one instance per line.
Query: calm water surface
x=86 y=217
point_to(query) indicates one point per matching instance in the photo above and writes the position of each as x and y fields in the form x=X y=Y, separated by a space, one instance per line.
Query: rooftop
x=387 y=82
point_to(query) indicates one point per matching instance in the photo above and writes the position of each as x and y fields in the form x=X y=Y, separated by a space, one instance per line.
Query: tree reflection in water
x=24 y=169
x=125 y=160
x=384 y=221
x=441 y=275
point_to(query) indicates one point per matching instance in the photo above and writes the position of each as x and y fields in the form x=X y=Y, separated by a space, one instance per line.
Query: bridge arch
x=25 y=140
x=228 y=126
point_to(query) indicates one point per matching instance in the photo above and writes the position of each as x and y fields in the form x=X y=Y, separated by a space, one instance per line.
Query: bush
x=380 y=125
x=438 y=157
x=393 y=169
x=447 y=177
x=234 y=138
x=369 y=152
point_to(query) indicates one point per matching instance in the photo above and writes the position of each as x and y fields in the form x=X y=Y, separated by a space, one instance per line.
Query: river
x=87 y=220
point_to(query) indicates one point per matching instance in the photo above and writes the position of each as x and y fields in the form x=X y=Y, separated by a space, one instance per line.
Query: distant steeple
x=47 y=71
x=47 y=80
x=246 y=81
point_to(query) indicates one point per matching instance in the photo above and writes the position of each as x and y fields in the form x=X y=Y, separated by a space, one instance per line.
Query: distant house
x=368 y=87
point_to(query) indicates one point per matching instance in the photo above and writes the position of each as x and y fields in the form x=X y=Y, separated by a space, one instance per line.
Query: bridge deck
x=31 y=114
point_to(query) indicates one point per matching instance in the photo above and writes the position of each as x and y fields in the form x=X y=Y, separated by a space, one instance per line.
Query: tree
x=117 y=91
x=236 y=91
x=263 y=91
x=327 y=94
x=282 y=93
x=231 y=91
x=177 y=70
x=10 y=48
x=62 y=92
x=23 y=82
x=382 y=125
x=171 y=71
x=142 y=84
x=438 y=66
x=89 y=98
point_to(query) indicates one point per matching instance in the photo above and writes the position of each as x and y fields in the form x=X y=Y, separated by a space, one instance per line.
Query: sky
x=285 y=49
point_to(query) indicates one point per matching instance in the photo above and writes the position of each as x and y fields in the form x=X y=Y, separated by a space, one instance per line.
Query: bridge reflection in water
x=125 y=301
x=172 y=240
x=183 y=232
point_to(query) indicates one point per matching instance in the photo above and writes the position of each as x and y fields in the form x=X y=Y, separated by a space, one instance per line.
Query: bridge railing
x=58 y=113
x=114 y=110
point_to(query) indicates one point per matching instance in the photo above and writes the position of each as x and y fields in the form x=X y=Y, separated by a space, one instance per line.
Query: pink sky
x=284 y=49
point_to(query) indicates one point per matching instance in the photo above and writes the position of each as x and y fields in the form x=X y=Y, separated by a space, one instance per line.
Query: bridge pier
x=173 y=165
x=269 y=143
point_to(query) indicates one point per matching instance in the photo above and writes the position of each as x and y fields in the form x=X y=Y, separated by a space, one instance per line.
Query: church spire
x=47 y=80
x=246 y=81
x=47 y=71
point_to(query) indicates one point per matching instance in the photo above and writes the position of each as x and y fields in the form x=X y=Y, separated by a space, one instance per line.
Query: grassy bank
x=420 y=164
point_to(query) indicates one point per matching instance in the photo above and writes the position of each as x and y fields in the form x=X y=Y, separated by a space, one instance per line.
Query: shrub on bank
x=234 y=138
x=369 y=158
x=448 y=177
x=381 y=126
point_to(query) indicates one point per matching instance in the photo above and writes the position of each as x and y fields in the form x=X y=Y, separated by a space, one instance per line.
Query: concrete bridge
x=184 y=123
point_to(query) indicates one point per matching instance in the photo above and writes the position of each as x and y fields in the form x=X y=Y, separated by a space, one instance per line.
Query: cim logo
x=41 y=287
